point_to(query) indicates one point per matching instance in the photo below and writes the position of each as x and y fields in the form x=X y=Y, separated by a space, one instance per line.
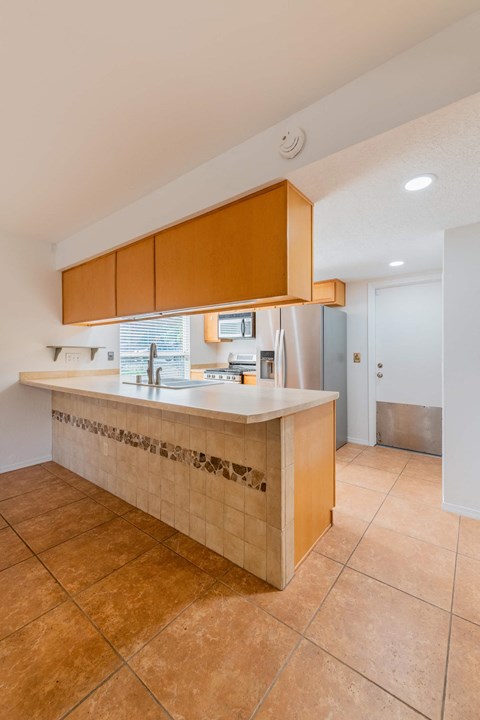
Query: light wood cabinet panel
x=136 y=278
x=249 y=380
x=210 y=328
x=89 y=291
x=329 y=292
x=314 y=476
x=259 y=247
x=196 y=375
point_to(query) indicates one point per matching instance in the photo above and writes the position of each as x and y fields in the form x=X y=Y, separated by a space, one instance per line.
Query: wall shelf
x=57 y=349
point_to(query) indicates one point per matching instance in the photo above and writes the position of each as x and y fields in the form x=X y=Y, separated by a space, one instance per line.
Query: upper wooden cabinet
x=89 y=291
x=258 y=248
x=210 y=328
x=251 y=252
x=329 y=292
x=136 y=278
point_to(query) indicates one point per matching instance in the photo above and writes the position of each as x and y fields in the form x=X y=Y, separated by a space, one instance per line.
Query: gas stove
x=238 y=363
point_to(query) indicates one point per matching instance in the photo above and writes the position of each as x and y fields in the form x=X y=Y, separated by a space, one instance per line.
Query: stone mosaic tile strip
x=209 y=463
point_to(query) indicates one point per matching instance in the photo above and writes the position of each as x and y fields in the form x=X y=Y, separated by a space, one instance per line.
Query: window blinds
x=172 y=336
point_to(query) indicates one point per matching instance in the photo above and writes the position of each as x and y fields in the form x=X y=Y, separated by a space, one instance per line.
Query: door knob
x=379 y=375
x=380 y=365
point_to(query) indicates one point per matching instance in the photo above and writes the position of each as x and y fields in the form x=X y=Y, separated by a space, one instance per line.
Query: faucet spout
x=152 y=356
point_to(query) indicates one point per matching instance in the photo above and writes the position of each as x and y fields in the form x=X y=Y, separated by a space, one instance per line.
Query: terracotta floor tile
x=385 y=459
x=424 y=467
x=315 y=686
x=392 y=638
x=411 y=565
x=228 y=677
x=420 y=521
x=466 y=599
x=112 y=502
x=122 y=697
x=27 y=591
x=132 y=604
x=357 y=501
x=462 y=699
x=51 y=664
x=469 y=539
x=22 y=481
x=156 y=528
x=85 y=559
x=348 y=452
x=343 y=536
x=72 y=478
x=368 y=477
x=47 y=497
x=3 y=522
x=297 y=604
x=12 y=549
x=418 y=490
x=339 y=465
x=63 y=523
x=199 y=555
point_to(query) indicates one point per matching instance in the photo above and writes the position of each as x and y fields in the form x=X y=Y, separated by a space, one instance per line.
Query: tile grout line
x=279 y=672
x=447 y=659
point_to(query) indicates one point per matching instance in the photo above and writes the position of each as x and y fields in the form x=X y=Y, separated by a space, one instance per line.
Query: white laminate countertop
x=228 y=401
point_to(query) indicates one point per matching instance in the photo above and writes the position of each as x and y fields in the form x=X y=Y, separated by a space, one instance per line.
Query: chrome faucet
x=158 y=378
x=153 y=355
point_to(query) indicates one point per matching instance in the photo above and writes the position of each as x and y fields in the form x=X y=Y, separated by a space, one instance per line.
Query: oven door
x=232 y=326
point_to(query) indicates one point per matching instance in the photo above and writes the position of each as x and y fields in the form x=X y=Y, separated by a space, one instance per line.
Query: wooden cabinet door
x=329 y=292
x=136 y=278
x=210 y=328
x=249 y=380
x=233 y=254
x=89 y=291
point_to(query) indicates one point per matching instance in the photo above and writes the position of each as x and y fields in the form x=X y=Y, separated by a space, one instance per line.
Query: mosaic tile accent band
x=242 y=474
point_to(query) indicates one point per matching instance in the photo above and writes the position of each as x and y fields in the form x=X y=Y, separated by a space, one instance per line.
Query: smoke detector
x=293 y=140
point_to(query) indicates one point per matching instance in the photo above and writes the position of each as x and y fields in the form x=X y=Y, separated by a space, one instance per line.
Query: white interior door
x=408 y=357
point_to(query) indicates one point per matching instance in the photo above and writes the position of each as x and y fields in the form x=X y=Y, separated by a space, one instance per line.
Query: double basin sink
x=176 y=383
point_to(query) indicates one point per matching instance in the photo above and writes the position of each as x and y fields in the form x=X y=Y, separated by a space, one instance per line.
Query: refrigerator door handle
x=275 y=358
x=281 y=367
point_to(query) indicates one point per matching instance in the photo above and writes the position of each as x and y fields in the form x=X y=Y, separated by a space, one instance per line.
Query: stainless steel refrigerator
x=305 y=346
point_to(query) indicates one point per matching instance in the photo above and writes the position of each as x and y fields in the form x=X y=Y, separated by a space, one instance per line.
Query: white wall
x=357 y=373
x=30 y=319
x=200 y=351
x=461 y=374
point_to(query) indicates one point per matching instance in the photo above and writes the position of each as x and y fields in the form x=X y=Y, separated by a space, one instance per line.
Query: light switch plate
x=357 y=357
x=110 y=355
x=72 y=357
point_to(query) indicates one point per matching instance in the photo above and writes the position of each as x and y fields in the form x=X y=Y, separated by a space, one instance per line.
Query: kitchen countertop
x=228 y=401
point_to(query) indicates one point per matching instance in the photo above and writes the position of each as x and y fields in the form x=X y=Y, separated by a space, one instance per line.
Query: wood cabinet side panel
x=89 y=290
x=136 y=278
x=235 y=253
x=314 y=475
x=300 y=245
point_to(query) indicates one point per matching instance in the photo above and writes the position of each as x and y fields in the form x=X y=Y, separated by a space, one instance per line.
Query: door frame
x=371 y=325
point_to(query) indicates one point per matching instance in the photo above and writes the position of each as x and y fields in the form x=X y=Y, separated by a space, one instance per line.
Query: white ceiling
x=363 y=216
x=104 y=101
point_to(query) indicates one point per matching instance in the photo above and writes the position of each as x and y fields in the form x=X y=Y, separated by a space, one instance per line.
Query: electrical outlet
x=110 y=355
x=105 y=448
x=71 y=357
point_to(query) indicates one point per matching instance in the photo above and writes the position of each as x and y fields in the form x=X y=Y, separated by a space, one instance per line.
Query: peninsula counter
x=247 y=471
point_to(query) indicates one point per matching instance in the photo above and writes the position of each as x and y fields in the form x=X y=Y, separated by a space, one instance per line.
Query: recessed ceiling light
x=419 y=183
x=396 y=263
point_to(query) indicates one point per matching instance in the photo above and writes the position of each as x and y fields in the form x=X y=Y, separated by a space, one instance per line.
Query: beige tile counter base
x=230 y=401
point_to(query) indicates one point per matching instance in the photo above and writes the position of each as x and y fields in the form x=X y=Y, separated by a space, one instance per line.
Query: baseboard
x=460 y=510
x=357 y=441
x=25 y=463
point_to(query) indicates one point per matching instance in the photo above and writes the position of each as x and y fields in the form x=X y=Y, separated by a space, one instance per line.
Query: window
x=172 y=336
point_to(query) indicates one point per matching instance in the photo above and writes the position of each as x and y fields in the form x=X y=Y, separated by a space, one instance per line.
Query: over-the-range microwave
x=236 y=325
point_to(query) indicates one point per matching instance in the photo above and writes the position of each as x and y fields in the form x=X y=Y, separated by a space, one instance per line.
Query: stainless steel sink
x=176 y=383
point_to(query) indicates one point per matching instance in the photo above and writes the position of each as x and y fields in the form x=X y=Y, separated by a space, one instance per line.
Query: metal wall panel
x=410 y=427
